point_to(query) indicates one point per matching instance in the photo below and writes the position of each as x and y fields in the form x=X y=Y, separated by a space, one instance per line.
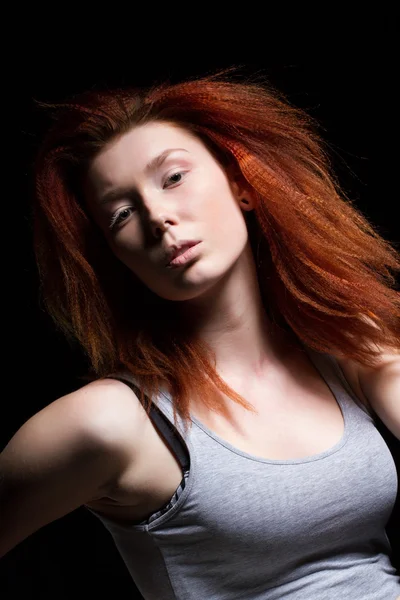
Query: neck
x=232 y=320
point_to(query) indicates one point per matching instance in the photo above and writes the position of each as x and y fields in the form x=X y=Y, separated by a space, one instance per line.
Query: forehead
x=132 y=151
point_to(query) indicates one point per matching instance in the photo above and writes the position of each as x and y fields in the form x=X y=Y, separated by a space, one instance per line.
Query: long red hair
x=323 y=269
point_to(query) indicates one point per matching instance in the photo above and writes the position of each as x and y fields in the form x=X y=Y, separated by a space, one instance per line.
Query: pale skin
x=200 y=201
x=97 y=445
x=191 y=196
x=84 y=446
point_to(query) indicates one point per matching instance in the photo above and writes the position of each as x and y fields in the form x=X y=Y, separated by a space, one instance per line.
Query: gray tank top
x=243 y=527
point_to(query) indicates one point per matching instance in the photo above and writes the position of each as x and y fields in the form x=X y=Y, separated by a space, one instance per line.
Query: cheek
x=132 y=256
x=214 y=202
x=125 y=249
x=226 y=218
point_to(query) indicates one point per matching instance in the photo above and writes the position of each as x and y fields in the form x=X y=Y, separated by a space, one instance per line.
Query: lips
x=180 y=248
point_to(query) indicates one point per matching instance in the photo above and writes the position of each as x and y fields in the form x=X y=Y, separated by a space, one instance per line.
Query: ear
x=240 y=188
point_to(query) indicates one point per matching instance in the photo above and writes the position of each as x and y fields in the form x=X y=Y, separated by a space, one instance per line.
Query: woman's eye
x=120 y=216
x=174 y=178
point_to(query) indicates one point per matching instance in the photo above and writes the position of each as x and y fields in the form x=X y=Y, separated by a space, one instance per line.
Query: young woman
x=243 y=331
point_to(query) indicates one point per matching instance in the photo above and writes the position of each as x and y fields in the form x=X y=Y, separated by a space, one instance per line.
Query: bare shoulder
x=107 y=407
x=351 y=372
x=67 y=454
x=101 y=419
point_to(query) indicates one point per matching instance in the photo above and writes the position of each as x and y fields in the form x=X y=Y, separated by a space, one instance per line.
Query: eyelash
x=115 y=219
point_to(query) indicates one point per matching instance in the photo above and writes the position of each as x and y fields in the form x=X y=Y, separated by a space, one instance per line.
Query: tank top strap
x=168 y=431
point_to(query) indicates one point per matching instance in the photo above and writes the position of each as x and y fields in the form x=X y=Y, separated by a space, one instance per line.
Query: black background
x=341 y=68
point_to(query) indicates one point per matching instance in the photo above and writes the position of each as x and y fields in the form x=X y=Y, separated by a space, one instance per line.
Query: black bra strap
x=164 y=426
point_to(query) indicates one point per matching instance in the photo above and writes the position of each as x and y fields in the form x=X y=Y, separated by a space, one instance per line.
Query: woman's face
x=156 y=186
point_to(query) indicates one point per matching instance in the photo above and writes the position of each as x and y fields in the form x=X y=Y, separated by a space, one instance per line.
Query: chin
x=186 y=289
x=181 y=295
x=191 y=283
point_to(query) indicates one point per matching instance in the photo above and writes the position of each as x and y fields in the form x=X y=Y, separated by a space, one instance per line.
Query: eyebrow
x=152 y=165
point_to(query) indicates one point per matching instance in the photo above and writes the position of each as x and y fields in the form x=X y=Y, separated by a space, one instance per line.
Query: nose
x=160 y=223
x=159 y=217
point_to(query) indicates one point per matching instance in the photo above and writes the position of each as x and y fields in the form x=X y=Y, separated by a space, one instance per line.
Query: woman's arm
x=381 y=386
x=66 y=455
